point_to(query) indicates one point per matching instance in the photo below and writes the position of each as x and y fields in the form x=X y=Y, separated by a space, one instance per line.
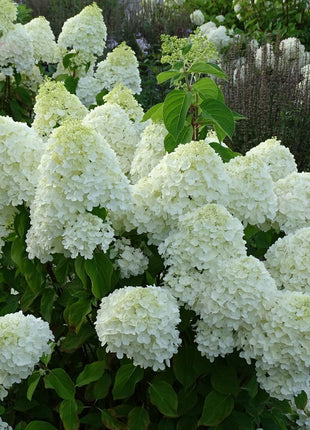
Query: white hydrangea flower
x=280 y=161
x=251 y=197
x=8 y=14
x=79 y=172
x=234 y=299
x=217 y=35
x=207 y=27
x=16 y=51
x=123 y=97
x=54 y=104
x=23 y=341
x=197 y=17
x=265 y=55
x=281 y=347
x=84 y=232
x=183 y=180
x=4 y=425
x=220 y=18
x=281 y=383
x=204 y=238
x=293 y=194
x=149 y=151
x=140 y=323
x=87 y=89
x=288 y=261
x=85 y=31
x=129 y=260
x=43 y=40
x=243 y=293
x=114 y=124
x=120 y=66
x=21 y=149
x=186 y=283
x=214 y=340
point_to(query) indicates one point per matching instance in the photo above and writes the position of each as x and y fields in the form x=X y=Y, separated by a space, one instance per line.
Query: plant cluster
x=269 y=85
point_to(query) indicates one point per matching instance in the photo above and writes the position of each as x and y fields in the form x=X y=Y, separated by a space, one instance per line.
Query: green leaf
x=165 y=76
x=207 y=89
x=301 y=400
x=93 y=420
x=68 y=414
x=22 y=222
x=251 y=387
x=67 y=59
x=175 y=109
x=18 y=253
x=216 y=408
x=73 y=341
x=219 y=115
x=99 y=212
x=24 y=96
x=110 y=421
x=33 y=276
x=155 y=113
x=237 y=116
x=33 y=381
x=240 y=421
x=183 y=367
x=226 y=154
x=208 y=69
x=80 y=270
x=185 y=136
x=224 y=379
x=138 y=418
x=187 y=400
x=91 y=372
x=78 y=311
x=28 y=298
x=60 y=381
x=47 y=302
x=100 y=95
x=99 y=389
x=16 y=110
x=62 y=267
x=164 y=398
x=71 y=84
x=166 y=424
x=61 y=77
x=100 y=270
x=126 y=379
x=40 y=425
x=187 y=423
x=271 y=422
